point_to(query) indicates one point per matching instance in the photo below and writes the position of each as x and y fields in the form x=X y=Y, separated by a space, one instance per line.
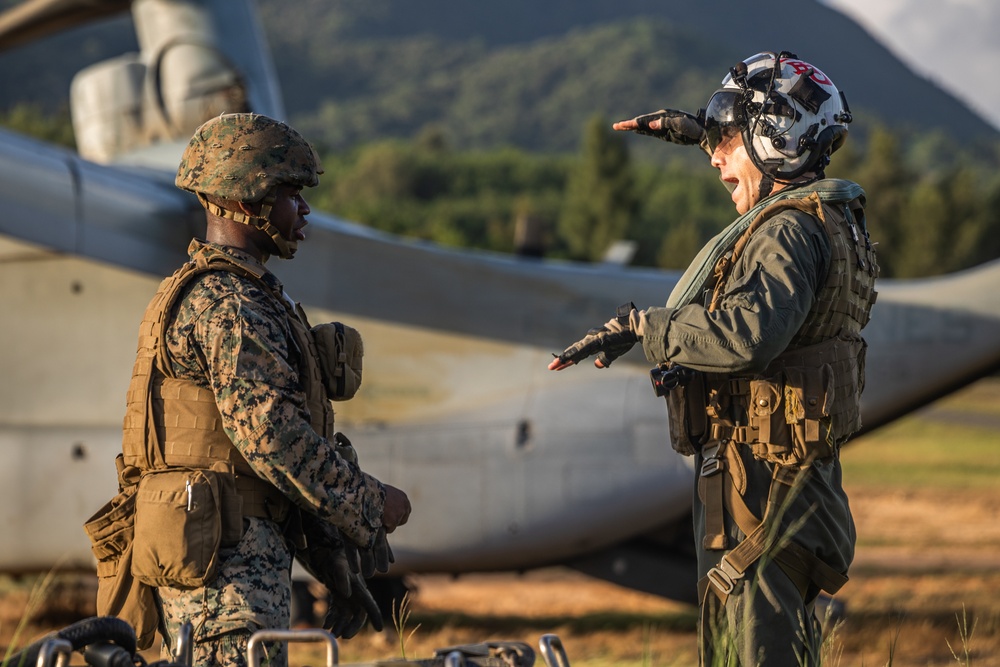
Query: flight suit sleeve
x=246 y=350
x=766 y=300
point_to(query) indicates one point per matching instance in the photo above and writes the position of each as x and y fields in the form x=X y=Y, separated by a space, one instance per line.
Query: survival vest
x=801 y=408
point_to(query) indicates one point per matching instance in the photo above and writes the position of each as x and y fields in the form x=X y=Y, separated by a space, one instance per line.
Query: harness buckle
x=724 y=577
x=711 y=467
x=711 y=464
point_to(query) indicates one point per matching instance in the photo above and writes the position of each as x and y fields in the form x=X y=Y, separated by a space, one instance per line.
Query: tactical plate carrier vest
x=184 y=489
x=171 y=423
x=807 y=401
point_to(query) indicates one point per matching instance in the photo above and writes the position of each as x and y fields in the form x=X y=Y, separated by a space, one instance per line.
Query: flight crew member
x=229 y=453
x=760 y=355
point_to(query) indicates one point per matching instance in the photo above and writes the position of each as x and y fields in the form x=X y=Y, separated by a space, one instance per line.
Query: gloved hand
x=367 y=562
x=332 y=560
x=344 y=447
x=608 y=342
x=346 y=616
x=671 y=125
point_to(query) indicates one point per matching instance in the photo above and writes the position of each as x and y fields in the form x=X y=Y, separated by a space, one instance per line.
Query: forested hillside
x=530 y=74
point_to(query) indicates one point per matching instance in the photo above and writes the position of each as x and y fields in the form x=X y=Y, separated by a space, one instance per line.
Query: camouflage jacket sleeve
x=766 y=299
x=231 y=334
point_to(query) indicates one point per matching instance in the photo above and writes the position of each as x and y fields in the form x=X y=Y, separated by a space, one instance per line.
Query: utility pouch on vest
x=232 y=505
x=340 y=352
x=111 y=532
x=686 y=415
x=178 y=527
x=790 y=413
x=808 y=401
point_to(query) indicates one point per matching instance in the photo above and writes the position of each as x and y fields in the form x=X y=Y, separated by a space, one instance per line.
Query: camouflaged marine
x=230 y=459
x=761 y=358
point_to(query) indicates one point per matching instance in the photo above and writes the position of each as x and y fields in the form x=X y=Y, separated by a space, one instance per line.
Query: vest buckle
x=724 y=576
x=711 y=464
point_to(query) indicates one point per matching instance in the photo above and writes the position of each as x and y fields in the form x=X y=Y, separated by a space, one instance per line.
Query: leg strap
x=801 y=565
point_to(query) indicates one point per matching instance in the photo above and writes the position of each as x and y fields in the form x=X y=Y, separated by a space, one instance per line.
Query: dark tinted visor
x=725 y=109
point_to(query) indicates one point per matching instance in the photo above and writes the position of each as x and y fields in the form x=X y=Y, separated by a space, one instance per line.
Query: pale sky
x=954 y=43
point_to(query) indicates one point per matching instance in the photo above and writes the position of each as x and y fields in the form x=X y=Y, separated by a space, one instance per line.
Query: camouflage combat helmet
x=242 y=157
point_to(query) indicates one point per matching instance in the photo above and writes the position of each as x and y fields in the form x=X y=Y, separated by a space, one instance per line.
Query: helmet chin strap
x=766 y=186
x=286 y=248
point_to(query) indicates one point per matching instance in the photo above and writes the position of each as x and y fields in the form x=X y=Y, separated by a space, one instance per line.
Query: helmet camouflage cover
x=242 y=156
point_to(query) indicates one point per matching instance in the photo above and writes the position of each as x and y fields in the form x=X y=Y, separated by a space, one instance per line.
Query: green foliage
x=600 y=202
x=682 y=208
x=31 y=120
x=425 y=191
x=928 y=217
x=926 y=222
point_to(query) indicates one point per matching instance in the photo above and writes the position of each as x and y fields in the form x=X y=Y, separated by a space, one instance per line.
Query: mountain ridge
x=873 y=78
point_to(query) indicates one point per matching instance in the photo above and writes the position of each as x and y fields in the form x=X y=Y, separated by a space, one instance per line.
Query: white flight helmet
x=791 y=115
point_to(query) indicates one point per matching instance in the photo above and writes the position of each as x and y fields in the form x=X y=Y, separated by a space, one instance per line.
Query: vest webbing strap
x=712 y=467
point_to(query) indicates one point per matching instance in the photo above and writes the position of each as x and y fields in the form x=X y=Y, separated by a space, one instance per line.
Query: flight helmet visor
x=725 y=110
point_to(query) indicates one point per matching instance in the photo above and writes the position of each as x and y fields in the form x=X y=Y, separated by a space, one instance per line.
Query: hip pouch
x=686 y=415
x=790 y=412
x=178 y=527
x=120 y=594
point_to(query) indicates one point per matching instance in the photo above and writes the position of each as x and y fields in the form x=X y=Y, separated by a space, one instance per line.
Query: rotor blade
x=35 y=19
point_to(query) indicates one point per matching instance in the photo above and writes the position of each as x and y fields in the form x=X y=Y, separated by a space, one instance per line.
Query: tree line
x=932 y=208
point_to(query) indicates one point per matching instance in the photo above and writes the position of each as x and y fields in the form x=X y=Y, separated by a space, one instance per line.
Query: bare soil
x=924 y=559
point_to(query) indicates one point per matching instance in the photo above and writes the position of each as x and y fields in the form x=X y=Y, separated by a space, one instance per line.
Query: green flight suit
x=761 y=306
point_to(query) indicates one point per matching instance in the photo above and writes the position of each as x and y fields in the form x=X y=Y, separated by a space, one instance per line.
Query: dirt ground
x=923 y=560
x=903 y=603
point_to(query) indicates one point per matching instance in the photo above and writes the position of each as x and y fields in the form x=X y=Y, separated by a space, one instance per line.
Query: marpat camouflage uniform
x=231 y=336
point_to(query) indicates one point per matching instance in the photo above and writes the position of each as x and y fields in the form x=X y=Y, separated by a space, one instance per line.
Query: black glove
x=332 y=560
x=367 y=562
x=678 y=127
x=608 y=342
x=346 y=616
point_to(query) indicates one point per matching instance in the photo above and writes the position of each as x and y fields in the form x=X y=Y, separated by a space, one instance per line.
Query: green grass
x=920 y=453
